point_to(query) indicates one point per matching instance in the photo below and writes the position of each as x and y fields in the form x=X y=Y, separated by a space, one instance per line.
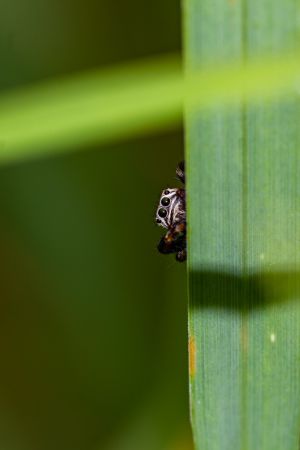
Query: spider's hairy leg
x=174 y=240
x=180 y=231
x=165 y=245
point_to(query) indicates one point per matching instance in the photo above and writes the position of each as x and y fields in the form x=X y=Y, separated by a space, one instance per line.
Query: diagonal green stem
x=112 y=104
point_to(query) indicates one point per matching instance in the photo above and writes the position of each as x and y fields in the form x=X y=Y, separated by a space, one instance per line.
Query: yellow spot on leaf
x=244 y=337
x=192 y=356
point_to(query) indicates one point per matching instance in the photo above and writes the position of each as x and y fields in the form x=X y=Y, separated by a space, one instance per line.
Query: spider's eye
x=167 y=192
x=165 y=201
x=162 y=212
x=158 y=221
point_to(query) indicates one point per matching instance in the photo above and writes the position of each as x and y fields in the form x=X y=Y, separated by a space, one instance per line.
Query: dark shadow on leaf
x=210 y=289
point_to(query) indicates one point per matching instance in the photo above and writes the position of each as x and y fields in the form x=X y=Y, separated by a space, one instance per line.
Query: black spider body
x=171 y=215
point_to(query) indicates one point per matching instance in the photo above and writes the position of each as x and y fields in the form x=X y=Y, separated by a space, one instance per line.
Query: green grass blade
x=243 y=168
x=112 y=104
x=100 y=106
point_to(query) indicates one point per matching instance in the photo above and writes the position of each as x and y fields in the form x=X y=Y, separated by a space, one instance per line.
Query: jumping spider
x=171 y=214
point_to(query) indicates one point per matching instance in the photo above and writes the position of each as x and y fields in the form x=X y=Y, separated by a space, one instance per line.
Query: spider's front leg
x=174 y=241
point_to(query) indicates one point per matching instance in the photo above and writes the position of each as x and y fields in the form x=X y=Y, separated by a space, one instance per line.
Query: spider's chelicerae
x=171 y=214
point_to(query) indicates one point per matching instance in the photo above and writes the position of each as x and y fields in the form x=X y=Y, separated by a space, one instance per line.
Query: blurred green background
x=93 y=319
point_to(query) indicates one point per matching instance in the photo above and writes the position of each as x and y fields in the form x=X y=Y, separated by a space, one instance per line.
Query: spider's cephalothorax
x=171 y=214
